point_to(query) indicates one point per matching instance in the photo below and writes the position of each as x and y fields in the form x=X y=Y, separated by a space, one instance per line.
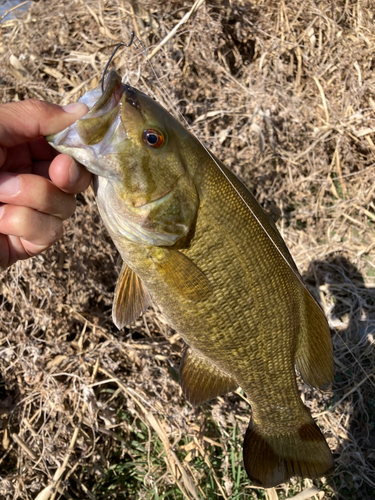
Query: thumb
x=26 y=120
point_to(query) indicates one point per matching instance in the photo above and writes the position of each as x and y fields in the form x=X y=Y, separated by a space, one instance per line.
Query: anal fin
x=131 y=298
x=201 y=380
x=314 y=355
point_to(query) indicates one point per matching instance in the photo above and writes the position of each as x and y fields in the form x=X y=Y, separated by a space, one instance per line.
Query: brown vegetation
x=284 y=93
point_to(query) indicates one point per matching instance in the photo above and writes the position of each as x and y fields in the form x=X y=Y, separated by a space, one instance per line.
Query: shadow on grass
x=351 y=309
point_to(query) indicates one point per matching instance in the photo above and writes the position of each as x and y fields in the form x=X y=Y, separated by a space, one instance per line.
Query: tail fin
x=273 y=459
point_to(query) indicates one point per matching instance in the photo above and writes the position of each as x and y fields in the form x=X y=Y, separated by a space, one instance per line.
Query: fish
x=194 y=241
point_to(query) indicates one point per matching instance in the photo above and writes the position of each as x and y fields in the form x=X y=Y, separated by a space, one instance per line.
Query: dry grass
x=284 y=93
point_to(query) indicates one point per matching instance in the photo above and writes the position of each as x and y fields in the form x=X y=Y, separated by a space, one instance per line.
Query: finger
x=5 y=253
x=35 y=192
x=41 y=168
x=23 y=157
x=18 y=159
x=11 y=250
x=41 y=150
x=26 y=120
x=37 y=228
x=69 y=175
x=14 y=248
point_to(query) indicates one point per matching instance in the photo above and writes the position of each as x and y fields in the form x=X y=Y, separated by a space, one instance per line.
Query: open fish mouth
x=100 y=103
x=100 y=132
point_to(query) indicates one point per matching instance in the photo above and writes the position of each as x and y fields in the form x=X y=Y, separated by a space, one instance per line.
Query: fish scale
x=270 y=394
x=195 y=241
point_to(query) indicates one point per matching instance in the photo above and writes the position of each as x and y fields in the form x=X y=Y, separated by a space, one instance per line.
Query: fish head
x=142 y=157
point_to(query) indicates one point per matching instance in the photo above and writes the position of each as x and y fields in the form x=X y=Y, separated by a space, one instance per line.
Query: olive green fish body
x=196 y=242
x=248 y=327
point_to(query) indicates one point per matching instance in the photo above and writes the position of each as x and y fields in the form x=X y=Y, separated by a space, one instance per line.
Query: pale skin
x=37 y=185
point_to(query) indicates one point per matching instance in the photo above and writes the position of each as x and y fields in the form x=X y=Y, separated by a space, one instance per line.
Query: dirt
x=284 y=93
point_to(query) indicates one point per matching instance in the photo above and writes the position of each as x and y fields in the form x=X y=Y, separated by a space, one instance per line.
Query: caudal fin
x=271 y=460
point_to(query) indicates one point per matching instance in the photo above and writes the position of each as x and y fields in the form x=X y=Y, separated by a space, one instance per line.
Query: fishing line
x=138 y=44
x=143 y=50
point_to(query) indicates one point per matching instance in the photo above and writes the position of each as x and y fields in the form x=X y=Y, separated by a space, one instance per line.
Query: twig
x=355 y=221
x=195 y=7
x=154 y=422
x=357 y=386
x=205 y=458
x=309 y=493
x=323 y=97
x=14 y=8
x=76 y=89
x=271 y=494
x=60 y=471
x=24 y=446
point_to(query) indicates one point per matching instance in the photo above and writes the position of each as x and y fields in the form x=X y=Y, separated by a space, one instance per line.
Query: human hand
x=37 y=186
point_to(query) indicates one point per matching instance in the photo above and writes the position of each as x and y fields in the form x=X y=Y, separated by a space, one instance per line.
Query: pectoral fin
x=314 y=356
x=131 y=298
x=202 y=381
x=182 y=274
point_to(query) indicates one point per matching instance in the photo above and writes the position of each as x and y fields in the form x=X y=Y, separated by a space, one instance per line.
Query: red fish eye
x=153 y=138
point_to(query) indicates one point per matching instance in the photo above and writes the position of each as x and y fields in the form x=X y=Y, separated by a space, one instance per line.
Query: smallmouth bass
x=195 y=240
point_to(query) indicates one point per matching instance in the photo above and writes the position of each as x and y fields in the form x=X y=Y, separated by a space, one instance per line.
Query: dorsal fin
x=131 y=298
x=314 y=355
x=264 y=220
x=201 y=380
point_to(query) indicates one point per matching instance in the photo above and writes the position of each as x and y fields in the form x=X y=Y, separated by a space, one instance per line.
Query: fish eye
x=153 y=138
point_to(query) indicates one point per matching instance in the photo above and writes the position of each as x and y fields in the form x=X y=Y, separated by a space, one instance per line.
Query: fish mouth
x=100 y=104
x=110 y=98
x=100 y=131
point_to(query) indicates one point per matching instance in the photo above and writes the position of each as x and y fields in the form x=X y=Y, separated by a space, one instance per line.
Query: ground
x=284 y=93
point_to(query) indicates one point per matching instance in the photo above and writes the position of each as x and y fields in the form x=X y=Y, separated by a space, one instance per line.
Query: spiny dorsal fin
x=131 y=298
x=314 y=355
x=182 y=274
x=202 y=381
x=273 y=459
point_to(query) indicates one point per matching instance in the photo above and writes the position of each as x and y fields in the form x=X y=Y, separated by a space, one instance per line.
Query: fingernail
x=73 y=172
x=1 y=210
x=77 y=108
x=9 y=184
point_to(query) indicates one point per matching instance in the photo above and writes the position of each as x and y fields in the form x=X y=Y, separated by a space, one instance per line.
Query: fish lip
x=113 y=92
x=131 y=97
x=113 y=80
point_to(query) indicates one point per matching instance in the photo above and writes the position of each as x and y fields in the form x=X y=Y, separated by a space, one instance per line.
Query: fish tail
x=273 y=459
